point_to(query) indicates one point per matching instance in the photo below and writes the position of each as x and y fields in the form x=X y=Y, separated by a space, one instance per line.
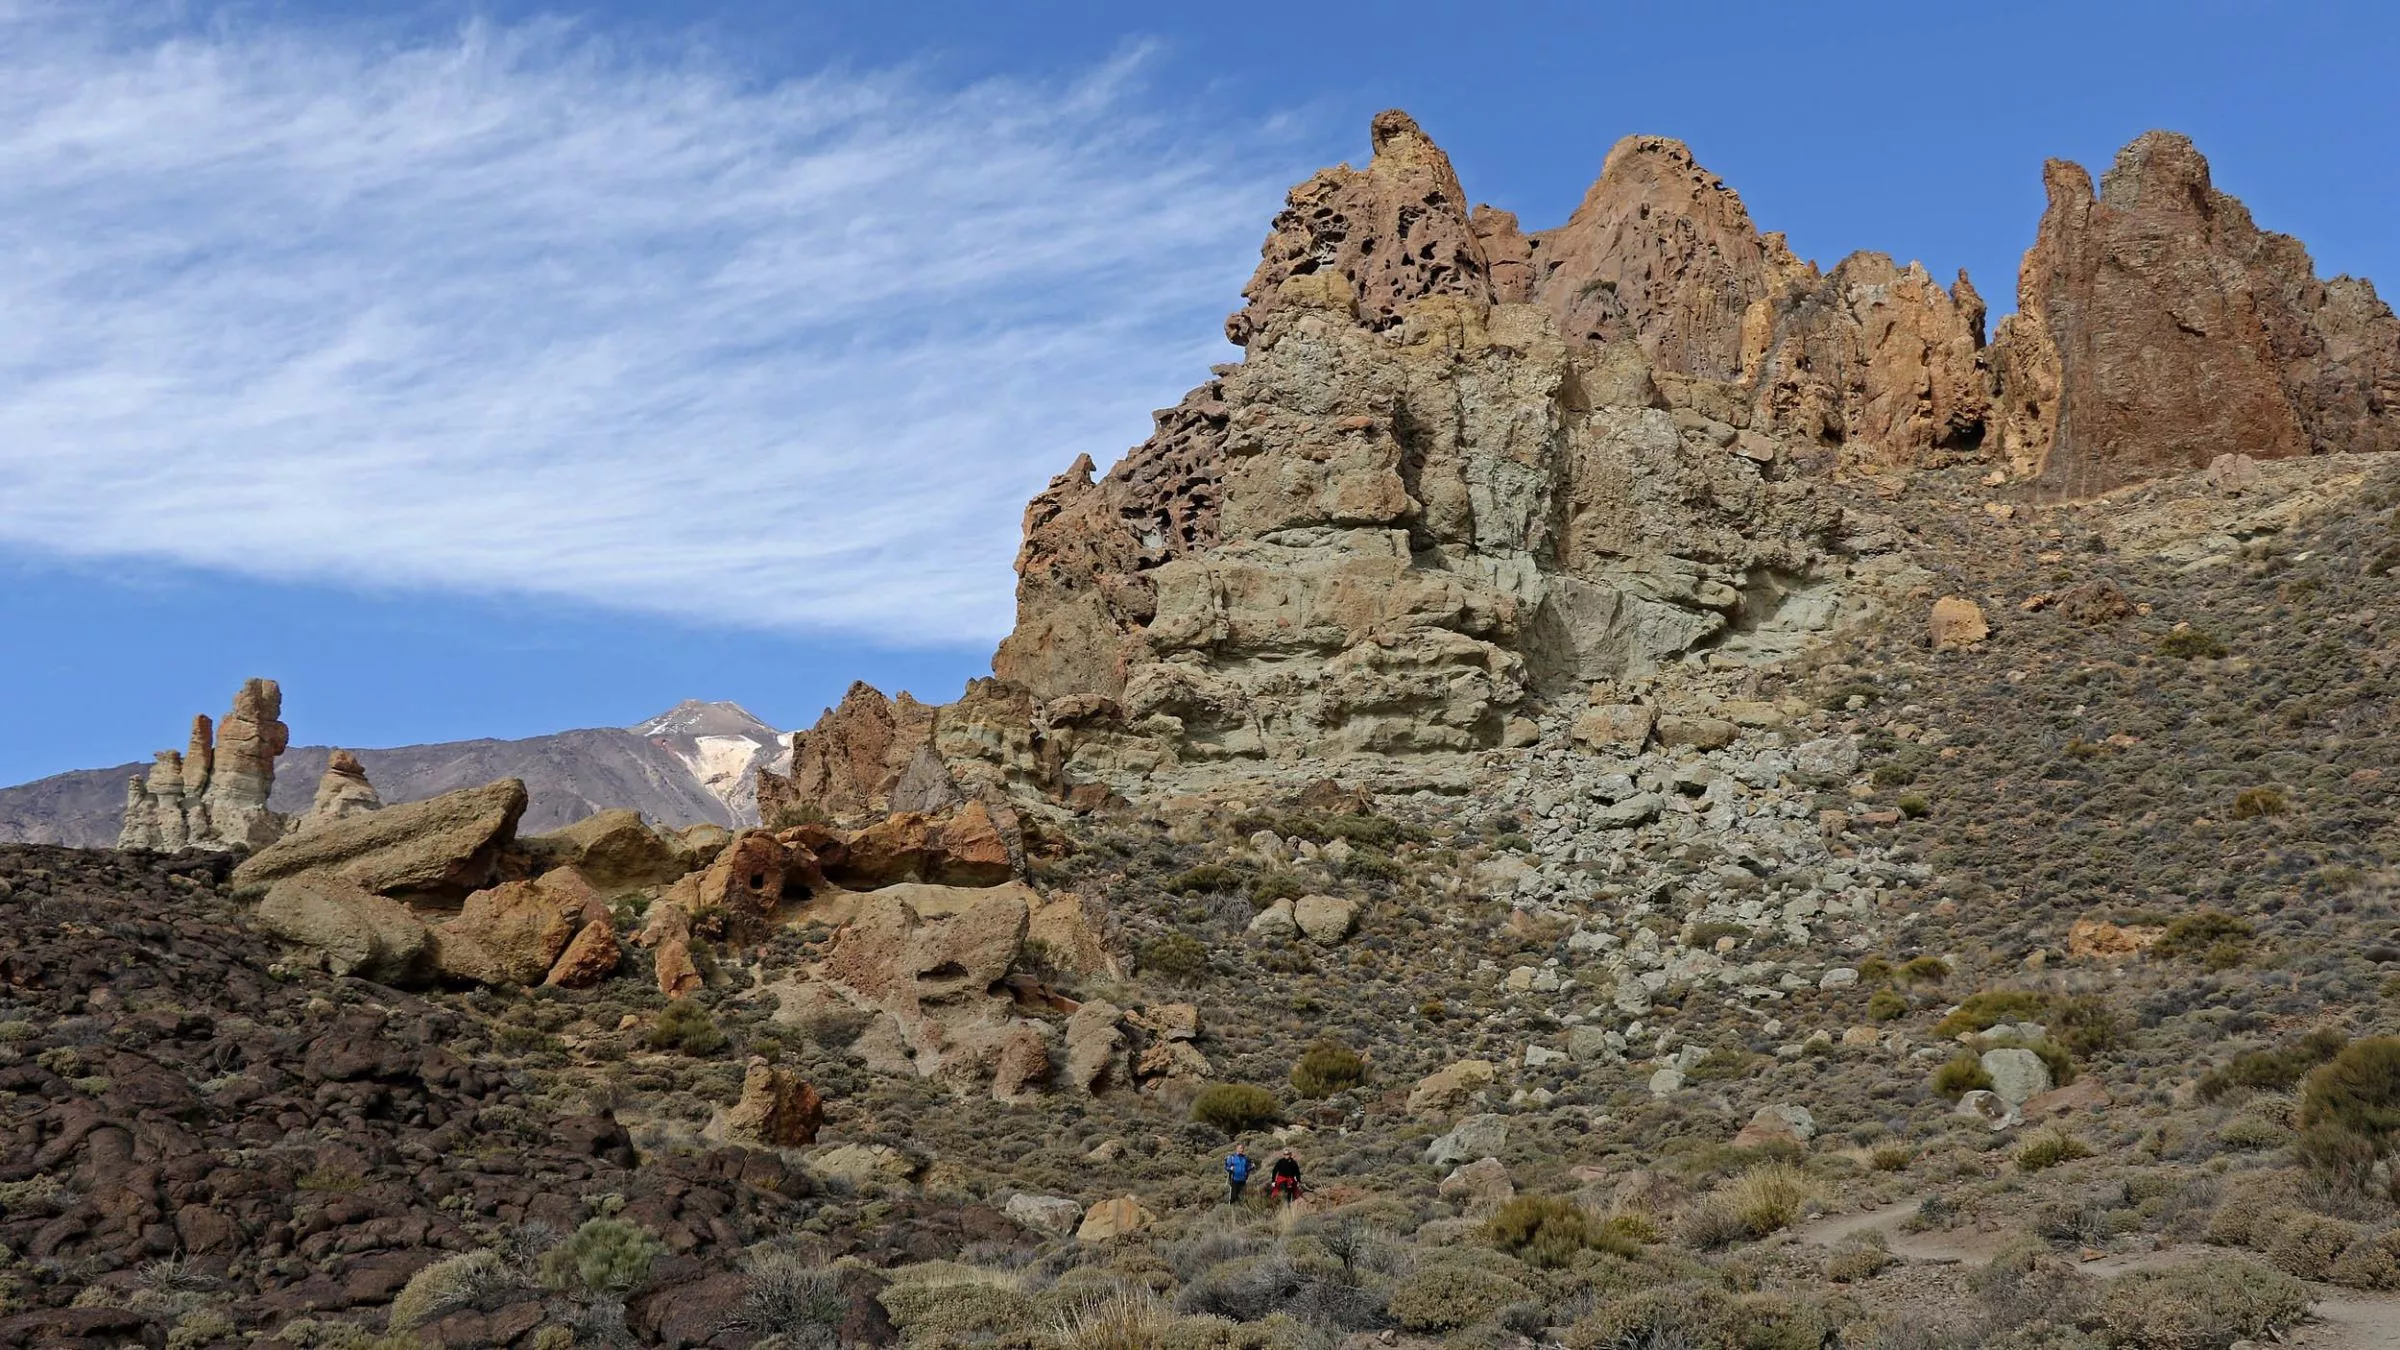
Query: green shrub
x=604 y=1256
x=2186 y=643
x=2272 y=1070
x=1892 y=1158
x=1961 y=1076
x=686 y=1028
x=1548 y=1231
x=794 y=1299
x=2207 y=1305
x=1178 y=956
x=1913 y=805
x=1925 y=970
x=1326 y=1068
x=2050 y=1150
x=1722 y=1065
x=1884 y=1005
x=1987 y=1008
x=1235 y=1108
x=1205 y=878
x=2350 y=1111
x=1446 y=1297
x=1694 y=1316
x=2358 y=1089
x=1705 y=935
x=2205 y=936
x=2251 y=803
x=2086 y=1025
x=1274 y=886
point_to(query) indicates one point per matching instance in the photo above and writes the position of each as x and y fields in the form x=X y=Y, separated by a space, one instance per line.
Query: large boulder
x=1450 y=1087
x=515 y=932
x=353 y=930
x=1326 y=919
x=1096 y=1058
x=745 y=884
x=1118 y=1218
x=590 y=958
x=1049 y=1213
x=615 y=851
x=2018 y=1075
x=1477 y=1136
x=778 y=1109
x=1956 y=622
x=438 y=850
x=965 y=849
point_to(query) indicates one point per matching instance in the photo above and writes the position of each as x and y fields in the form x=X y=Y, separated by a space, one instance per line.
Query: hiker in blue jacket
x=1237 y=1171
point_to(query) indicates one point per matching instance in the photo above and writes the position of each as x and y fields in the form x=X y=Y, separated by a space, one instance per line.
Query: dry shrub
x=2207 y=1305
x=1763 y=1200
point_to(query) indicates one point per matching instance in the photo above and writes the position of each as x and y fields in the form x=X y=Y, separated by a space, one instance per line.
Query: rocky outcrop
x=342 y=793
x=2158 y=327
x=847 y=764
x=1394 y=232
x=436 y=851
x=213 y=794
x=1660 y=253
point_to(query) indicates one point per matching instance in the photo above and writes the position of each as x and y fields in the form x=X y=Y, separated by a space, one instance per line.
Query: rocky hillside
x=1709 y=807
x=695 y=763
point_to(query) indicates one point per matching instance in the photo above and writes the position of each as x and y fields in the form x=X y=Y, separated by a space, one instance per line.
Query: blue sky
x=499 y=369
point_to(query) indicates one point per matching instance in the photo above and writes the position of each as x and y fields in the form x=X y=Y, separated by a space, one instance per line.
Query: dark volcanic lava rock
x=173 y=1101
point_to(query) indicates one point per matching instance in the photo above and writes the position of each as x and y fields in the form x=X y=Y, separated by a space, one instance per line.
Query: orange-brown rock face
x=1663 y=254
x=847 y=764
x=1396 y=231
x=1083 y=580
x=2158 y=327
x=1876 y=359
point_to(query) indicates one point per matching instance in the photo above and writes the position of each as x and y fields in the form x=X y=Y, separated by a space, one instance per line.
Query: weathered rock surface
x=1956 y=622
x=1049 y=1213
x=1451 y=1086
x=2018 y=1075
x=342 y=793
x=438 y=850
x=350 y=928
x=777 y=1109
x=590 y=958
x=1121 y=1217
x=516 y=932
x=213 y=794
x=2158 y=327
x=615 y=850
x=847 y=765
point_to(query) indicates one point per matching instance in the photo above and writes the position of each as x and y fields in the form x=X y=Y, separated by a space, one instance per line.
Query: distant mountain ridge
x=695 y=763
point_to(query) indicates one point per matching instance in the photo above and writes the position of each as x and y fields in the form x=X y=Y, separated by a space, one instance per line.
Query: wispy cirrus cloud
x=514 y=310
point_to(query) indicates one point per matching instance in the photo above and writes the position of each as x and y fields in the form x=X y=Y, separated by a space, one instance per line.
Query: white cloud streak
x=517 y=311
